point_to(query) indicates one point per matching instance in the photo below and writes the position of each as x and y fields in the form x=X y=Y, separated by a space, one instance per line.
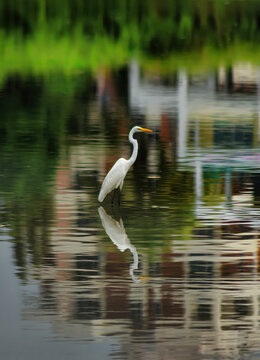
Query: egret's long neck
x=135 y=148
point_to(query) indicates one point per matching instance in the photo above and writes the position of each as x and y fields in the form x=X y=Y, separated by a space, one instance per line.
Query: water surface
x=171 y=272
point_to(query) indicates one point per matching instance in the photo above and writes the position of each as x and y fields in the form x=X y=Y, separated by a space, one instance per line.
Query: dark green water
x=173 y=272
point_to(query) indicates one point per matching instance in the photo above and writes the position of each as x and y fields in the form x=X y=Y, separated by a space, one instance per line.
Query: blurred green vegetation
x=43 y=36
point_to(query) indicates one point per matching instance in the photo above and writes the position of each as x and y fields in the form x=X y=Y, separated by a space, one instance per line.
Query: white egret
x=115 y=177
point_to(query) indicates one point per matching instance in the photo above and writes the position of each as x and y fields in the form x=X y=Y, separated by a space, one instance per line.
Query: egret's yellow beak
x=147 y=130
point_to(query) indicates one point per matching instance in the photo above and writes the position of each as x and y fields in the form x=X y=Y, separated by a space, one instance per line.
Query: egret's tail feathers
x=101 y=196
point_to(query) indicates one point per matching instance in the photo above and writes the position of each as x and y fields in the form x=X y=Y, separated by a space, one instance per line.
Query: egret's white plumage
x=115 y=177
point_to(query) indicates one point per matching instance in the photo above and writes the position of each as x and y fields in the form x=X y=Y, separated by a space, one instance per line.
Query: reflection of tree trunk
x=229 y=78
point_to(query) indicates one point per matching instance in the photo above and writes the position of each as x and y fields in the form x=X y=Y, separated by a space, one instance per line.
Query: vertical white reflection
x=228 y=186
x=211 y=80
x=182 y=113
x=134 y=85
x=198 y=167
x=198 y=182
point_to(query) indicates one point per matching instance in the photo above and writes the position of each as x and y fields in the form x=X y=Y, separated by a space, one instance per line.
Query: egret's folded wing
x=113 y=178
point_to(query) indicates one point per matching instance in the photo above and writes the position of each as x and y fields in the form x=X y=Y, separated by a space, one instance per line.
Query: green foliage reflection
x=34 y=118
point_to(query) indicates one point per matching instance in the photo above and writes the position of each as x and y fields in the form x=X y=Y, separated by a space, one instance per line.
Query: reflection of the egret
x=116 y=231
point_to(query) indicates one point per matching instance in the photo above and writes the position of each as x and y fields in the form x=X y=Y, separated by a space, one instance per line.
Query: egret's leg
x=114 y=195
x=120 y=190
x=116 y=191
